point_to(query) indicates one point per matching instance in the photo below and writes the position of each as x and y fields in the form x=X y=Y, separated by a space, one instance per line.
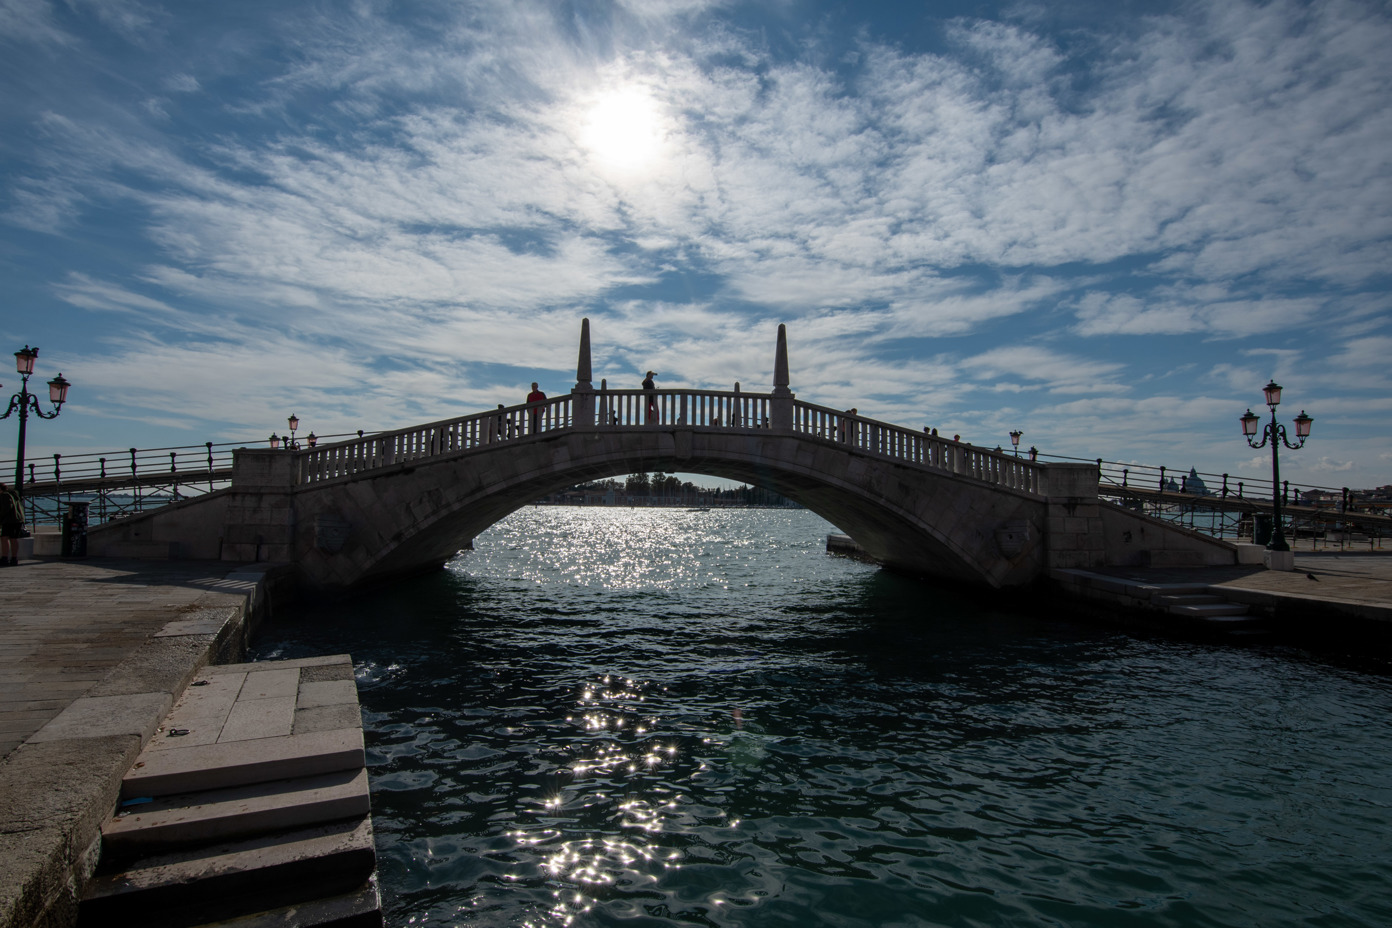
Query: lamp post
x=291 y=444
x=25 y=402
x=1015 y=441
x=1275 y=433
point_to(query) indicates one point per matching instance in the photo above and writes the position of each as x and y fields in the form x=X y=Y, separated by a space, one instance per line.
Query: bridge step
x=1217 y=610
x=250 y=803
x=1188 y=599
x=234 y=879
x=197 y=818
x=359 y=909
x=1200 y=605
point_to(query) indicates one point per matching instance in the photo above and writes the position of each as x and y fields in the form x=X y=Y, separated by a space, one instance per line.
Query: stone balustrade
x=720 y=410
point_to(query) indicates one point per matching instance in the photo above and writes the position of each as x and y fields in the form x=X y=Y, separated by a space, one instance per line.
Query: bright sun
x=623 y=129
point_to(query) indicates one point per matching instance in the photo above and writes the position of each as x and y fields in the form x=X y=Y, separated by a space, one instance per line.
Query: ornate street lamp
x=1015 y=441
x=289 y=443
x=25 y=403
x=1275 y=433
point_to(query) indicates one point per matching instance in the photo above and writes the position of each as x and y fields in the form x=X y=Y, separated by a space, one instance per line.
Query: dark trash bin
x=75 y=530
x=1261 y=530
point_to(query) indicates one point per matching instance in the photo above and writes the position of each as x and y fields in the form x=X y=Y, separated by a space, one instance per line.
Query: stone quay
x=93 y=654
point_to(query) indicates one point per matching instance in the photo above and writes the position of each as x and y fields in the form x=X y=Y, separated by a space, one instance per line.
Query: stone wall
x=1137 y=540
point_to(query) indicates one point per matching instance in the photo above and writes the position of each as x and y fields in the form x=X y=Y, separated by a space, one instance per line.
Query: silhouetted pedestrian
x=650 y=398
x=846 y=427
x=534 y=400
x=11 y=526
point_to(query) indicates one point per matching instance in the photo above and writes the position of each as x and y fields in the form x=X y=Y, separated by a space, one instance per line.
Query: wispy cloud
x=1011 y=224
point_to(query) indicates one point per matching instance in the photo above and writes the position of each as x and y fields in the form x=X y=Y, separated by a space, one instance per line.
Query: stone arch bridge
x=401 y=502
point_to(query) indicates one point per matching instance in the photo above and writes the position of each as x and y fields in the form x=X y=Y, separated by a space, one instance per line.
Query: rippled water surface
x=656 y=718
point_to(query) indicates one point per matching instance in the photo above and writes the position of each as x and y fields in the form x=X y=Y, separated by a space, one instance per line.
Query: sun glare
x=623 y=129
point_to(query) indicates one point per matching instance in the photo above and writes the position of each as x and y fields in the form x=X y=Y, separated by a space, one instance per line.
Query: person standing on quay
x=650 y=398
x=11 y=526
x=534 y=400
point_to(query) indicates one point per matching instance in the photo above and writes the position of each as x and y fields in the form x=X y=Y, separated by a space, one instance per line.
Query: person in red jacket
x=534 y=400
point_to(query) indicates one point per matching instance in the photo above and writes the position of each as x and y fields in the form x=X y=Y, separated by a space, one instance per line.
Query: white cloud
x=1060 y=373
x=1204 y=193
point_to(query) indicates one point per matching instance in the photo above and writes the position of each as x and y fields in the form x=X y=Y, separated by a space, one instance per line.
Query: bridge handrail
x=704 y=409
x=916 y=447
x=328 y=461
x=613 y=408
x=719 y=409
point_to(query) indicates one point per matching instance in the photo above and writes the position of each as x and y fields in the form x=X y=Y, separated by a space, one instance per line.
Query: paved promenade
x=92 y=655
x=1330 y=596
x=1358 y=585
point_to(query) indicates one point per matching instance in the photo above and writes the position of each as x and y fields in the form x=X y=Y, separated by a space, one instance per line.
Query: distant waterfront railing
x=126 y=482
x=1225 y=505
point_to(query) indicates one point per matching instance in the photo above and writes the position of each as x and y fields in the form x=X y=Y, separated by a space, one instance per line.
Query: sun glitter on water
x=623 y=129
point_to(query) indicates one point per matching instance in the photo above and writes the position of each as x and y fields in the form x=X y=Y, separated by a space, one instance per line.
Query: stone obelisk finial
x=781 y=405
x=583 y=409
x=583 y=374
x=780 y=363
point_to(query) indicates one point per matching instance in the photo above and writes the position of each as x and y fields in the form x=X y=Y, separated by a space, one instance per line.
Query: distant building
x=1194 y=484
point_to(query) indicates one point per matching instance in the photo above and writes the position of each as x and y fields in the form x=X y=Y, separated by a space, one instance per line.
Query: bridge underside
x=409 y=518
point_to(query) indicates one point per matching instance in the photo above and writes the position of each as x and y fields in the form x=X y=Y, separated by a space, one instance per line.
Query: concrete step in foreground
x=358 y=909
x=248 y=807
x=234 y=879
x=197 y=818
x=1199 y=603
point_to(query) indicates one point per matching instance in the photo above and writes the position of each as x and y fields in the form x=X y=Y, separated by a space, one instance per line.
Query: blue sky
x=1104 y=223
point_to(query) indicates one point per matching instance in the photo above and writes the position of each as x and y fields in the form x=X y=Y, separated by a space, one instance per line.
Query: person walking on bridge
x=650 y=398
x=11 y=526
x=846 y=428
x=534 y=400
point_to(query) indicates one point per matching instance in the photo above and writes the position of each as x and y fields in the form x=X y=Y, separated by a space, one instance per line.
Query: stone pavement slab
x=67 y=626
x=90 y=650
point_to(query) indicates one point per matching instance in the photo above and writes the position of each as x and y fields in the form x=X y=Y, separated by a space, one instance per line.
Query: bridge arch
x=417 y=514
x=399 y=502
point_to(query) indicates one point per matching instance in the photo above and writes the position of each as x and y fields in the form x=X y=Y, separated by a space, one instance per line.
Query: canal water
x=660 y=718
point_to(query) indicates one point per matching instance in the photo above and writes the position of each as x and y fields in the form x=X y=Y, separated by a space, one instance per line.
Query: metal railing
x=1226 y=505
x=123 y=483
